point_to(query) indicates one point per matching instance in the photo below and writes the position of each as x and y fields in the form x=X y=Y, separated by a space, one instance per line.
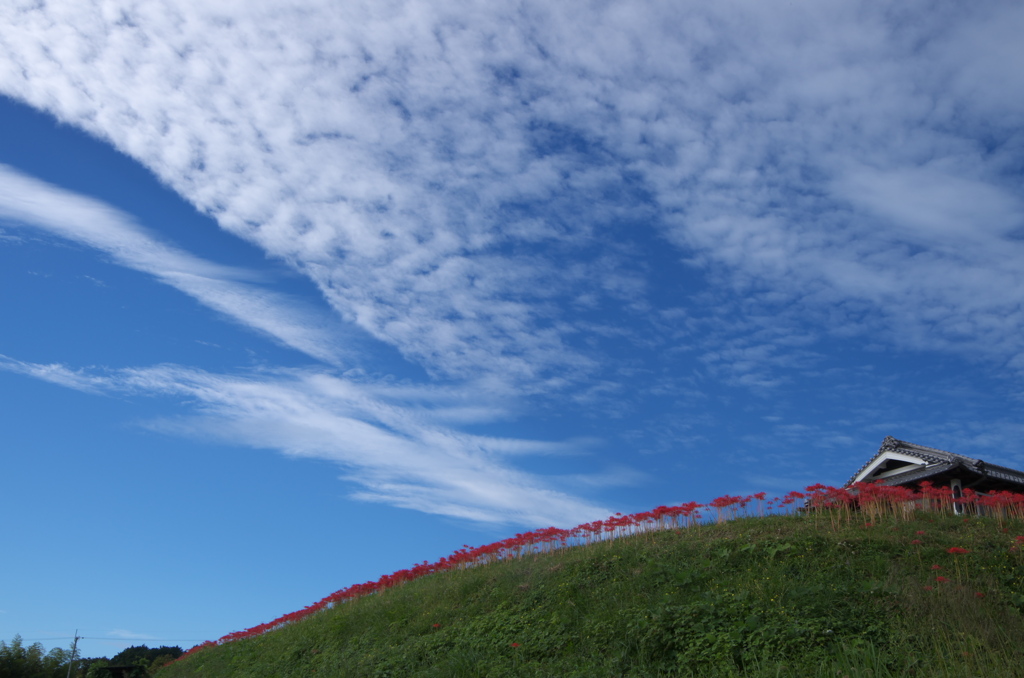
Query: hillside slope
x=775 y=596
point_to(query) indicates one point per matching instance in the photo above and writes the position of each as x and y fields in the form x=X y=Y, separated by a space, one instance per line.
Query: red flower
x=941 y=579
x=928 y=588
x=957 y=550
x=936 y=567
x=915 y=541
x=515 y=644
x=1020 y=538
x=437 y=626
x=979 y=594
x=920 y=531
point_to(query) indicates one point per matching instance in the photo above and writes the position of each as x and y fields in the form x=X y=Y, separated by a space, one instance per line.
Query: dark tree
x=145 y=658
x=33 y=661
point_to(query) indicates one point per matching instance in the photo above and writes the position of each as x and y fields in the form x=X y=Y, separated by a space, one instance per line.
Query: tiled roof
x=937 y=461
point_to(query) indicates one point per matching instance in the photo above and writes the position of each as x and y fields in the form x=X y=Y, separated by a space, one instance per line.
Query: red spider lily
x=929 y=588
x=201 y=646
x=792 y=497
x=823 y=497
x=915 y=541
x=724 y=506
x=979 y=594
x=515 y=644
x=874 y=500
x=437 y=626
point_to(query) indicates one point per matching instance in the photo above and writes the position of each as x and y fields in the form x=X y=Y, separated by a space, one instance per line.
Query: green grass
x=775 y=596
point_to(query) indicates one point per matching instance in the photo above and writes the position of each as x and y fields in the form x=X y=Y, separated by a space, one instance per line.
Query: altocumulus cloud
x=398 y=152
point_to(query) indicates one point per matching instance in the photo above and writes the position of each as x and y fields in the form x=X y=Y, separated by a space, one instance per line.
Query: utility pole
x=74 y=649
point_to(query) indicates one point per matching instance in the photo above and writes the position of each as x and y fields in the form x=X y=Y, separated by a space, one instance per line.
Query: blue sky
x=293 y=297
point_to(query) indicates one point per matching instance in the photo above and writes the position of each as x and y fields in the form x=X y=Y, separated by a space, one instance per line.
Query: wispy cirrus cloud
x=29 y=202
x=129 y=635
x=395 y=441
x=395 y=450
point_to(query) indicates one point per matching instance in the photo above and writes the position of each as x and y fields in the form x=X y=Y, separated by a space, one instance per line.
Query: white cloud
x=129 y=635
x=431 y=166
x=354 y=143
x=935 y=208
x=853 y=188
x=399 y=453
x=55 y=374
x=392 y=440
x=33 y=203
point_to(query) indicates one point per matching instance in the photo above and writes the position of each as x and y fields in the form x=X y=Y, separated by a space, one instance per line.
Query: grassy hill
x=801 y=595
